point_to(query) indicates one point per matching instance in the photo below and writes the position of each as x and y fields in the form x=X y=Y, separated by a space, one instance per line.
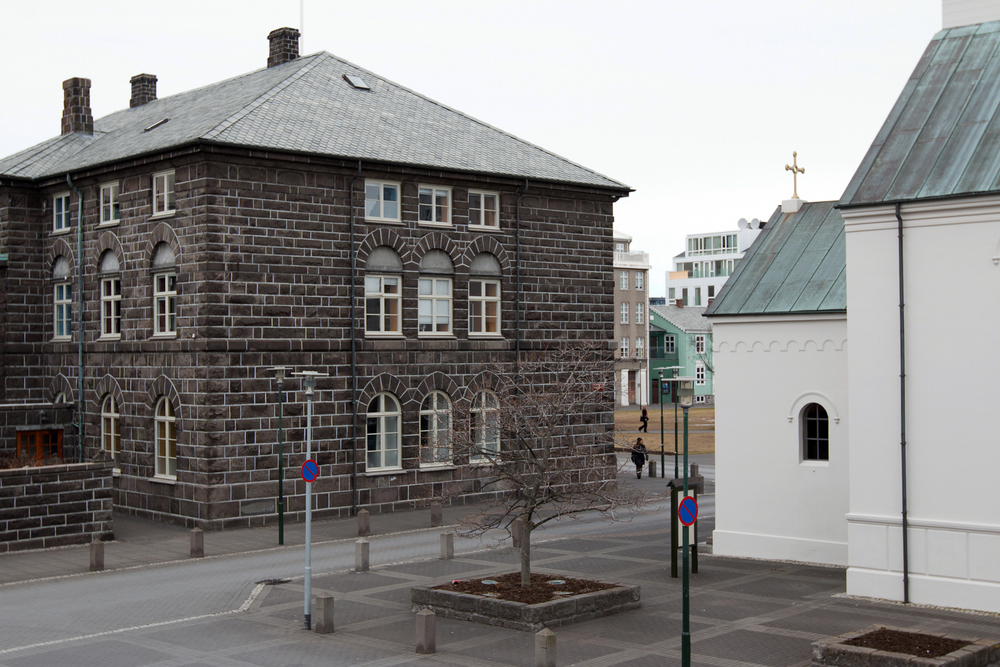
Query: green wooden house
x=681 y=337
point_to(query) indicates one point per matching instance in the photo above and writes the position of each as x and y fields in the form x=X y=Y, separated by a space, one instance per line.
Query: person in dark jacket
x=639 y=456
x=645 y=420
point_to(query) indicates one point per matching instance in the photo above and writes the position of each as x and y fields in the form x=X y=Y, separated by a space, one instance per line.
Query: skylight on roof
x=156 y=125
x=356 y=81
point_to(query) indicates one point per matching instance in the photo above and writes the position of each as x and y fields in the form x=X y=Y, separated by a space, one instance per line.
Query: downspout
x=354 y=356
x=79 y=320
x=902 y=409
x=517 y=278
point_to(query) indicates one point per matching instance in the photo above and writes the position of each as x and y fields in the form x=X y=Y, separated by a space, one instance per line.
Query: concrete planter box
x=833 y=652
x=521 y=616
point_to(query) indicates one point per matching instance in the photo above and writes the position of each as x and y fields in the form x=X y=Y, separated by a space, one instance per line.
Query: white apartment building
x=703 y=268
x=631 y=273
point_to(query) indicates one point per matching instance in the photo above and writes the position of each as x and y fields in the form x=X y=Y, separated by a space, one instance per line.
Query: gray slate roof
x=685 y=319
x=942 y=138
x=306 y=106
x=798 y=264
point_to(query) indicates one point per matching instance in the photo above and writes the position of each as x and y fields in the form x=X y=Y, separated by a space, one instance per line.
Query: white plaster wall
x=770 y=504
x=952 y=319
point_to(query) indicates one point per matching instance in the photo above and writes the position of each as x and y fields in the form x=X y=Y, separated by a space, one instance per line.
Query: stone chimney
x=284 y=46
x=679 y=303
x=143 y=89
x=76 y=107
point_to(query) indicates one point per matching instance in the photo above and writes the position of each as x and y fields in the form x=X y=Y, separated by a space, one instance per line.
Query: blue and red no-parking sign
x=688 y=510
x=310 y=470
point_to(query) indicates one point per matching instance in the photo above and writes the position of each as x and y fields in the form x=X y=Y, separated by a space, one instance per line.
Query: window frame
x=699 y=343
x=381 y=432
x=640 y=281
x=476 y=412
x=640 y=347
x=168 y=298
x=434 y=206
x=168 y=195
x=623 y=317
x=623 y=281
x=623 y=347
x=822 y=446
x=61 y=220
x=483 y=194
x=165 y=439
x=699 y=374
x=484 y=300
x=62 y=310
x=111 y=428
x=434 y=299
x=111 y=307
x=383 y=298
x=110 y=210
x=382 y=186
x=669 y=344
x=640 y=312
x=431 y=430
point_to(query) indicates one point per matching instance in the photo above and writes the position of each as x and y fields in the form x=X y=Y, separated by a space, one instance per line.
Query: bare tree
x=543 y=433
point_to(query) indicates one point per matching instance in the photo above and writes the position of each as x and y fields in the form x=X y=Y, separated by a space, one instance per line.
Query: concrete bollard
x=516 y=530
x=322 y=614
x=652 y=469
x=364 y=524
x=197 y=543
x=426 y=640
x=96 y=555
x=545 y=648
x=447 y=546
x=437 y=517
x=361 y=555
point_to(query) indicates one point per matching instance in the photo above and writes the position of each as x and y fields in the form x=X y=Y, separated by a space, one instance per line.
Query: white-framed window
x=382 y=201
x=624 y=312
x=815 y=433
x=669 y=344
x=697 y=296
x=699 y=344
x=382 y=433
x=640 y=347
x=435 y=429
x=163 y=192
x=623 y=280
x=670 y=296
x=111 y=430
x=111 y=307
x=434 y=306
x=60 y=212
x=640 y=313
x=165 y=304
x=383 y=305
x=701 y=399
x=63 y=301
x=640 y=280
x=684 y=296
x=699 y=373
x=484 y=307
x=485 y=426
x=110 y=209
x=711 y=291
x=484 y=209
x=434 y=205
x=166 y=439
x=623 y=347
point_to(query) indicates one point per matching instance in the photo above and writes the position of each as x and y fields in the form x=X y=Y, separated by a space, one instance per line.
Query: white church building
x=857 y=352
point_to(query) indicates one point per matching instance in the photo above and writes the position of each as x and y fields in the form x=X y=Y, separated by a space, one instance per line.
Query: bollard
x=652 y=469
x=545 y=648
x=516 y=530
x=96 y=555
x=197 y=543
x=364 y=524
x=426 y=641
x=361 y=555
x=322 y=614
x=436 y=516
x=447 y=546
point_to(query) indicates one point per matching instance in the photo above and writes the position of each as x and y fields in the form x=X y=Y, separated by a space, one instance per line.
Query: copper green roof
x=797 y=265
x=942 y=138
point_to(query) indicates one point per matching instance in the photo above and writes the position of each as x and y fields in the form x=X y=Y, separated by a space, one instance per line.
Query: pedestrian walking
x=645 y=420
x=639 y=456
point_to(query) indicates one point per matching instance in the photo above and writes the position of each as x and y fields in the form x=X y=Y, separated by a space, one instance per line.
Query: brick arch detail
x=386 y=237
x=437 y=241
x=162 y=233
x=61 y=383
x=109 y=241
x=383 y=382
x=108 y=385
x=487 y=244
x=485 y=380
x=60 y=248
x=437 y=381
x=164 y=386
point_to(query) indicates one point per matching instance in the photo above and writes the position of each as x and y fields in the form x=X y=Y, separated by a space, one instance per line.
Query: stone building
x=310 y=214
x=631 y=270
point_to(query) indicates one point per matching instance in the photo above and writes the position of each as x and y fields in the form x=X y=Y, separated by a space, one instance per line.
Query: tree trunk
x=526 y=553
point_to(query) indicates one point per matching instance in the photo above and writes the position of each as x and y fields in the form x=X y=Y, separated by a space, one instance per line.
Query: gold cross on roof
x=796 y=170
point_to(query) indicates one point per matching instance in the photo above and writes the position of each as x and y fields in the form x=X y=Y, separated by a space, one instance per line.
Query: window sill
x=437 y=336
x=814 y=464
x=426 y=223
x=163 y=479
x=66 y=339
x=109 y=339
x=483 y=228
x=383 y=221
x=384 y=336
x=486 y=336
x=113 y=223
x=60 y=232
x=437 y=467
x=382 y=472
x=164 y=336
x=165 y=214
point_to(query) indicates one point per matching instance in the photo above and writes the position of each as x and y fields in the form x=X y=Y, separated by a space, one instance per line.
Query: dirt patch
x=910 y=643
x=544 y=587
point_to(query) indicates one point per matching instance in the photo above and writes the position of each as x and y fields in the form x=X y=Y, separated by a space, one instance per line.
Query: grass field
x=699 y=419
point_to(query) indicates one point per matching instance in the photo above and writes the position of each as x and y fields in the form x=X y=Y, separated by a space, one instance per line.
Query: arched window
x=62 y=300
x=485 y=426
x=164 y=291
x=434 y=289
x=166 y=439
x=815 y=433
x=111 y=431
x=383 y=292
x=383 y=432
x=435 y=429
x=484 y=295
x=111 y=295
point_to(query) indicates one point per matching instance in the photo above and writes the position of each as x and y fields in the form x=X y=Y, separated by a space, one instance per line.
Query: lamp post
x=279 y=375
x=676 y=383
x=663 y=445
x=309 y=384
x=685 y=396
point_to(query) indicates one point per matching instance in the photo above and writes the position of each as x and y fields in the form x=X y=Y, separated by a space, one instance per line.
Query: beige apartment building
x=631 y=273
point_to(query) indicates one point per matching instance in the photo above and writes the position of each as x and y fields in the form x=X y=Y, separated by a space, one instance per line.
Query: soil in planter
x=508 y=587
x=910 y=643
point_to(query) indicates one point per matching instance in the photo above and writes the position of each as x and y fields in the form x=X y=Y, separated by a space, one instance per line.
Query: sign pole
x=310 y=384
x=686 y=611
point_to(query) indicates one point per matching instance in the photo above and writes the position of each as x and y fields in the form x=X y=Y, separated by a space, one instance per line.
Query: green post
x=675 y=527
x=686 y=610
x=677 y=472
x=663 y=445
x=281 y=471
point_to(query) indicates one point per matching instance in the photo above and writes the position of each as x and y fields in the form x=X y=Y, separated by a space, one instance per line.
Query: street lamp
x=309 y=384
x=663 y=446
x=279 y=375
x=676 y=471
x=685 y=396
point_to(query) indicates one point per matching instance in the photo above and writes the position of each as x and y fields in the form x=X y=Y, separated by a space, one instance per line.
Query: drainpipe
x=517 y=278
x=354 y=357
x=79 y=320
x=902 y=409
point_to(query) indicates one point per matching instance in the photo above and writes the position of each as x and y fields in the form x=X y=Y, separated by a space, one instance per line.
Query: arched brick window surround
x=488 y=244
x=438 y=241
x=61 y=249
x=387 y=237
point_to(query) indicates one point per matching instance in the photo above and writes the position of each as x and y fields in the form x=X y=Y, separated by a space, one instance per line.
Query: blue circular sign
x=688 y=510
x=310 y=470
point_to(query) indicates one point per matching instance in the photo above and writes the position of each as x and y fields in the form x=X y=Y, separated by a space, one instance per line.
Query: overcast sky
x=697 y=105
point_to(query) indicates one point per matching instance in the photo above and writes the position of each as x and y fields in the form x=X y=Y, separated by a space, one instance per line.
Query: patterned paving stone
x=103 y=653
x=725 y=608
x=755 y=647
x=351 y=581
x=785 y=588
